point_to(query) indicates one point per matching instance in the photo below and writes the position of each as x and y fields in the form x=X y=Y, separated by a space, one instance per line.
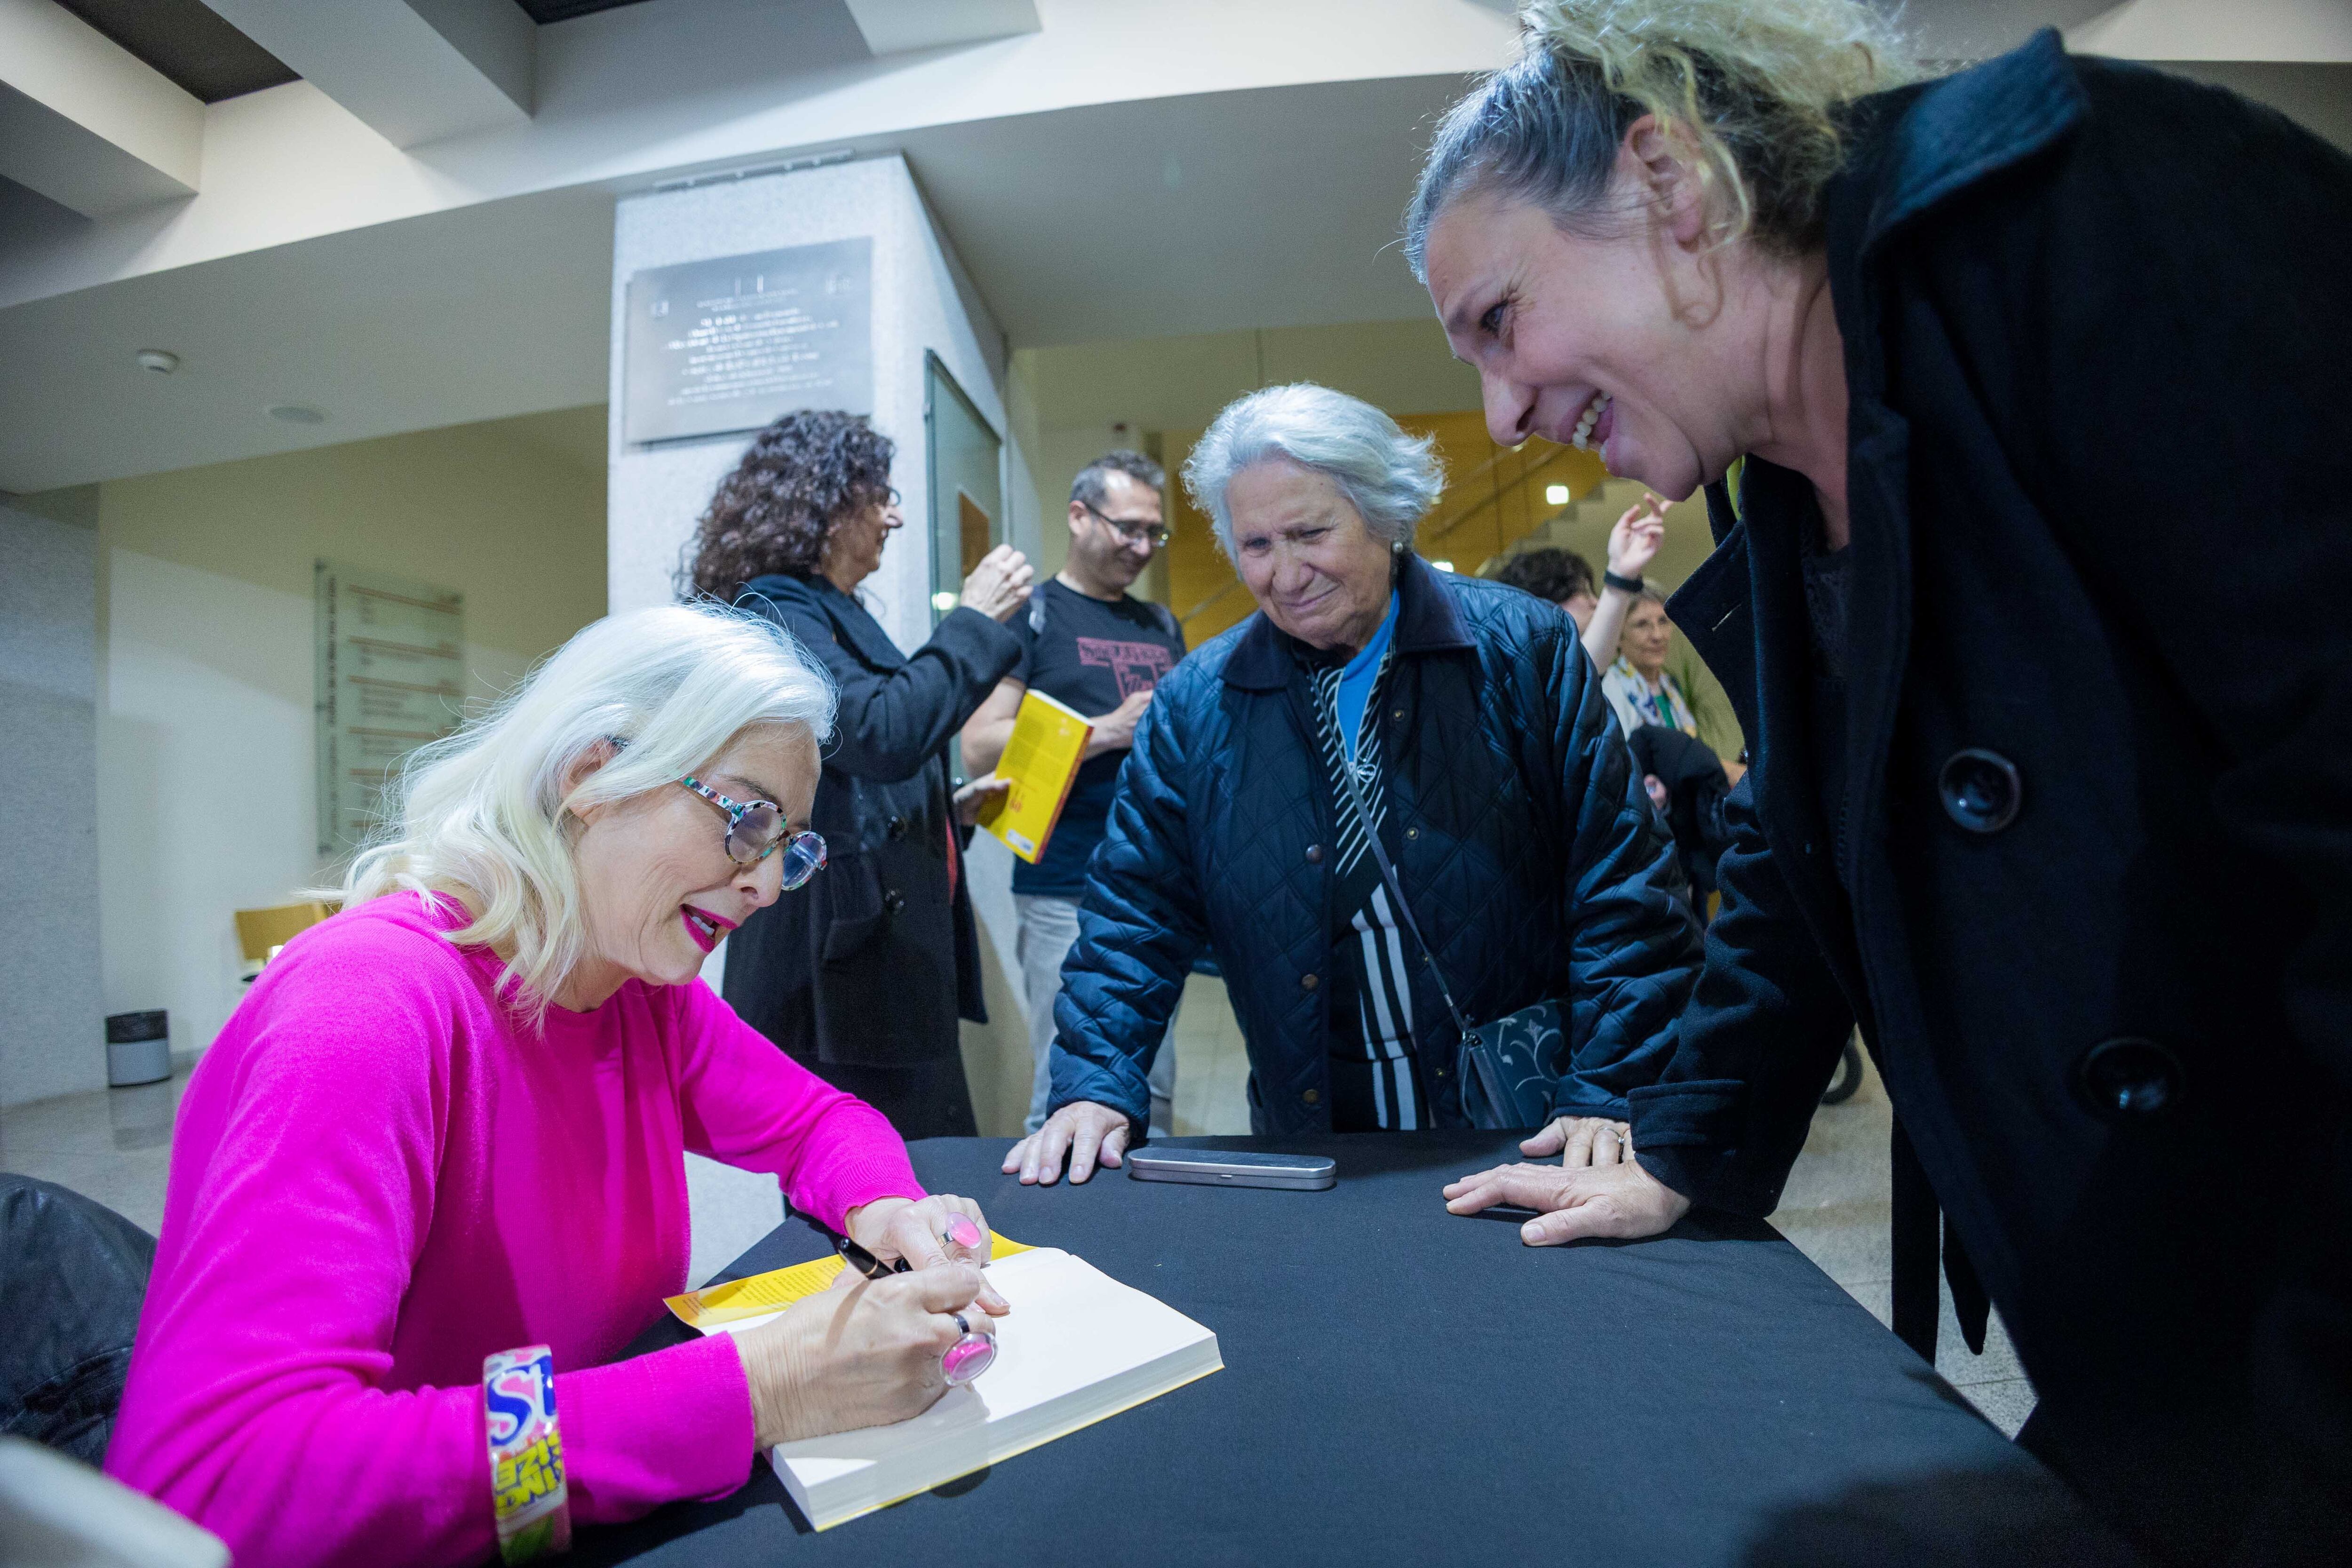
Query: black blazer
x=2100 y=479
x=871 y=964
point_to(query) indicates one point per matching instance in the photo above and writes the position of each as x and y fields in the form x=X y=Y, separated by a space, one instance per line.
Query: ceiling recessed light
x=298 y=414
x=1555 y=495
x=163 y=361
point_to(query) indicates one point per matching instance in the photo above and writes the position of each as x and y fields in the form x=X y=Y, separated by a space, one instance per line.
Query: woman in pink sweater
x=450 y=1121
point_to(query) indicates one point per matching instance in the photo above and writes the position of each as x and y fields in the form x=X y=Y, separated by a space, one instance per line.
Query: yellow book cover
x=1040 y=761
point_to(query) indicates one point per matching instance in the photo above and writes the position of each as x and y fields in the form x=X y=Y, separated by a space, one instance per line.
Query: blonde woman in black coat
x=2036 y=370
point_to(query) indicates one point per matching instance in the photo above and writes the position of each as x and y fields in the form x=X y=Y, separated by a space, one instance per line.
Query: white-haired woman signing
x=449 y=1123
x=1487 y=765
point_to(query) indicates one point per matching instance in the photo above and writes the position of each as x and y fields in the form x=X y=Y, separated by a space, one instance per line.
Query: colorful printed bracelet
x=527 y=1491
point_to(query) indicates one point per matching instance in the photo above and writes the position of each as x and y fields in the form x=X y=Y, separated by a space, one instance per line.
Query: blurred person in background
x=1472 y=724
x=1640 y=688
x=863 y=980
x=2020 y=361
x=1090 y=645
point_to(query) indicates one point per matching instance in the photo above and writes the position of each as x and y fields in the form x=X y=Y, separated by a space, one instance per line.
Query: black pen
x=864 y=1262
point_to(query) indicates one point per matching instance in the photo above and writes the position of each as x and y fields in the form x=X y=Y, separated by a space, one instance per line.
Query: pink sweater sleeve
x=749 y=1105
x=301 y=1191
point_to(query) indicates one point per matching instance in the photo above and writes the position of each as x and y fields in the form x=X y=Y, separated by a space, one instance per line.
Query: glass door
x=967 y=499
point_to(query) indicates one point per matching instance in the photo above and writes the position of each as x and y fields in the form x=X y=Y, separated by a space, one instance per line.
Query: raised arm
x=1634 y=543
x=891 y=721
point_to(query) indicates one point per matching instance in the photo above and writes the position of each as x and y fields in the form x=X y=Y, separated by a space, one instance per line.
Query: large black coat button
x=1981 y=790
x=898 y=828
x=894 y=900
x=2128 y=1078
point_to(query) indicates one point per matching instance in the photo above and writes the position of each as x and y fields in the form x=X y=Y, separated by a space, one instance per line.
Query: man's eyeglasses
x=757 y=831
x=1135 y=530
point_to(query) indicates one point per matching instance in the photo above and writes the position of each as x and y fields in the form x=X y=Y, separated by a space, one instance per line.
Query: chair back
x=57 y=1513
x=259 y=933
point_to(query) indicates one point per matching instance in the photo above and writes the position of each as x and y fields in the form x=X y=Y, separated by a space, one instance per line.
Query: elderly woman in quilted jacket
x=1491 y=769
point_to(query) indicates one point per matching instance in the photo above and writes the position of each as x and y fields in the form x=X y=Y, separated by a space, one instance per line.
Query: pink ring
x=969 y=1356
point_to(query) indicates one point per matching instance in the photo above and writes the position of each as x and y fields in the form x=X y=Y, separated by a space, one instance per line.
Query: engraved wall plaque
x=716 y=347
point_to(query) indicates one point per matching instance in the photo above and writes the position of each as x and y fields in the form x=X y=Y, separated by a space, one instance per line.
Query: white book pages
x=1077 y=1346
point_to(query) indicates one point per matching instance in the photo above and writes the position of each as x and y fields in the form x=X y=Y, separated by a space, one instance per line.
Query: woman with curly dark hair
x=862 y=978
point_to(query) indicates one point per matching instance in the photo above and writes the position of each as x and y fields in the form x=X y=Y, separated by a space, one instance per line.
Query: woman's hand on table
x=863 y=1353
x=1582 y=1141
x=1622 y=1200
x=935 y=1232
x=1083 y=1132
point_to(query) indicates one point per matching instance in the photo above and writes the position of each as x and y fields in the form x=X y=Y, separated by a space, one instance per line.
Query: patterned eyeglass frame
x=796 y=873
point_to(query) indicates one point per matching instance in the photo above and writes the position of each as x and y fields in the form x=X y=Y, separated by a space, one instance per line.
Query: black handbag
x=1508 y=1070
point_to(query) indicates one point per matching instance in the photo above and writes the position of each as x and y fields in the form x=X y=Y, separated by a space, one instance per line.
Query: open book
x=1077 y=1346
x=1041 y=761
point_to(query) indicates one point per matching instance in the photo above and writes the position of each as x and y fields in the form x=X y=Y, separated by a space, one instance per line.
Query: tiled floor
x=115 y=1145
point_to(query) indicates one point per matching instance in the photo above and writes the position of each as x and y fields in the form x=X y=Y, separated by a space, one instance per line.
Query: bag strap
x=1389 y=877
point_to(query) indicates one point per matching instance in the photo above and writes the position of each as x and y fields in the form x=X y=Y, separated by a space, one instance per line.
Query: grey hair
x=1754 y=91
x=1393 y=479
x=1090 y=489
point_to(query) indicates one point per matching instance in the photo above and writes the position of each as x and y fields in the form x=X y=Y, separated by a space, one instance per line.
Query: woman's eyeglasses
x=1134 y=531
x=757 y=831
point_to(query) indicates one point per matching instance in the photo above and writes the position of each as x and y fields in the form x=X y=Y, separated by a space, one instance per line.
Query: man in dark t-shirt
x=1090 y=644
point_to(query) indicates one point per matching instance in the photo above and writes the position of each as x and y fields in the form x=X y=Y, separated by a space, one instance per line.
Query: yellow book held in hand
x=1040 y=761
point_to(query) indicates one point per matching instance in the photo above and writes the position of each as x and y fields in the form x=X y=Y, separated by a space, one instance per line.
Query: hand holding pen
x=926 y=1234
x=974 y=1349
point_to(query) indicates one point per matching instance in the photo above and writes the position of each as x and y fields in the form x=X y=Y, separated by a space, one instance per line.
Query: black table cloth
x=1405 y=1386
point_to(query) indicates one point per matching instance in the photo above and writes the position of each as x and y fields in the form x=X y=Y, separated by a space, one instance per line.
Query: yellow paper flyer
x=715 y=1305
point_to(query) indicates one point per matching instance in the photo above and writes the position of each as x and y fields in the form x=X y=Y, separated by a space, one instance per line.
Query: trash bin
x=138 y=1048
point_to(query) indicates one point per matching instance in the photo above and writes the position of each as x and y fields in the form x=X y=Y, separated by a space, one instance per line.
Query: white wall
x=204 y=732
x=922 y=301
x=51 y=1040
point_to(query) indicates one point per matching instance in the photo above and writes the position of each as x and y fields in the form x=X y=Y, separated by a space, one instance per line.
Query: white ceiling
x=1140 y=219
x=1267 y=206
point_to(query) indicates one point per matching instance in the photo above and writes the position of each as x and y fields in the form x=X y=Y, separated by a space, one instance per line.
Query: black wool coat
x=872 y=962
x=2091 y=896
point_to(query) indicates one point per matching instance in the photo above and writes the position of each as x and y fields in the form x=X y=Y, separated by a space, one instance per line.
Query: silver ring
x=961 y=1327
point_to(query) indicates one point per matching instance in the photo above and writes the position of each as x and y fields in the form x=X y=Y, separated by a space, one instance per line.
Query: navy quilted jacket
x=1526 y=848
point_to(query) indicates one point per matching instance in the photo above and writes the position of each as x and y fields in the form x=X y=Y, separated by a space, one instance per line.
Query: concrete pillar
x=922 y=302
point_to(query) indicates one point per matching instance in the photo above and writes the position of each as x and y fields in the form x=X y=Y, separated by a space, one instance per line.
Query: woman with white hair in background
x=450 y=1121
x=1472 y=729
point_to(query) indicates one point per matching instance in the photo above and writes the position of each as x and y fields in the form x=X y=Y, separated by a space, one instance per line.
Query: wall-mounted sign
x=715 y=347
x=391 y=677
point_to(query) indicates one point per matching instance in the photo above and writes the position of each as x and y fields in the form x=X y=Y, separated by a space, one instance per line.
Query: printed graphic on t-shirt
x=1137 y=666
